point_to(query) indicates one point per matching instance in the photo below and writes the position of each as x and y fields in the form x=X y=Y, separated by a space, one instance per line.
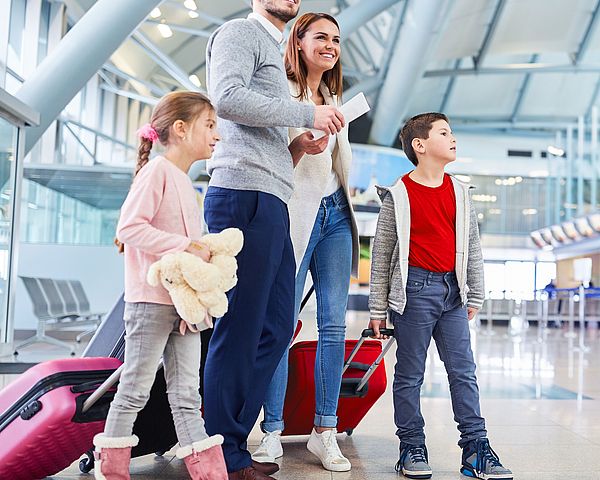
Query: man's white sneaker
x=270 y=447
x=324 y=446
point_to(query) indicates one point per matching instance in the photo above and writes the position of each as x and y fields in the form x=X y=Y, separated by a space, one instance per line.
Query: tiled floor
x=541 y=402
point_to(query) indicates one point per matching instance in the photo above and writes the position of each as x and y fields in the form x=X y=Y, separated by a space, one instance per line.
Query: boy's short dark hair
x=418 y=127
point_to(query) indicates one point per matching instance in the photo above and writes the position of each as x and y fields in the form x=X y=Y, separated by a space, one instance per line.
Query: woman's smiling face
x=320 y=46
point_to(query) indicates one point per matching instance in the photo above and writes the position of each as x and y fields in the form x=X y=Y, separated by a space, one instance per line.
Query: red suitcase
x=362 y=383
x=43 y=428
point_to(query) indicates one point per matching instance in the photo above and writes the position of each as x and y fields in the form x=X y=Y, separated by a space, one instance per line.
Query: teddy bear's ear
x=153 y=276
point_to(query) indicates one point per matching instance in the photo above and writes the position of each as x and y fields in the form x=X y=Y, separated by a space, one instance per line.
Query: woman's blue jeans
x=329 y=259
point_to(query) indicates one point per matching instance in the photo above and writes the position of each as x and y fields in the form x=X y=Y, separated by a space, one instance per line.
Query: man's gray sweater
x=248 y=86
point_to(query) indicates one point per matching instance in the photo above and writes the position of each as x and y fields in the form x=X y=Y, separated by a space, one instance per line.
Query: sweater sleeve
x=233 y=59
x=476 y=294
x=384 y=244
x=138 y=210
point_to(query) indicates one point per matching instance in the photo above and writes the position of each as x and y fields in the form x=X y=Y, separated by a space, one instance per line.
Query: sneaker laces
x=418 y=454
x=267 y=441
x=331 y=446
x=486 y=456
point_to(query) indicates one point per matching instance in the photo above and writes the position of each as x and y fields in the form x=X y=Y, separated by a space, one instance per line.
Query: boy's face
x=441 y=144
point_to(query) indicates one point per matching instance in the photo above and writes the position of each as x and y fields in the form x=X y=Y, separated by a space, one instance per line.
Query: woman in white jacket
x=324 y=235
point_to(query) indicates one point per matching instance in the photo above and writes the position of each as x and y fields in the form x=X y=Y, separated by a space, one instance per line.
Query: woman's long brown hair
x=296 y=68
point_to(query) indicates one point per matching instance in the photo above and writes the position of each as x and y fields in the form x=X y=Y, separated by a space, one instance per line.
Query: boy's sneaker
x=413 y=461
x=480 y=461
x=324 y=446
x=270 y=448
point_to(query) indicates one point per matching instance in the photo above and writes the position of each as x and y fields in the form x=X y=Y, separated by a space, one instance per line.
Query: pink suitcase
x=43 y=426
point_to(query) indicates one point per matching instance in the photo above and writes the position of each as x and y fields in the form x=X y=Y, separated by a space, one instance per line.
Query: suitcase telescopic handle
x=102 y=389
x=105 y=387
x=366 y=334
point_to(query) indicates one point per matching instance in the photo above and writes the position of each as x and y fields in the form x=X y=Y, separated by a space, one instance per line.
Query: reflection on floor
x=541 y=401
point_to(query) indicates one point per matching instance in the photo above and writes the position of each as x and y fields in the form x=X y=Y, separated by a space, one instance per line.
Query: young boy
x=427 y=269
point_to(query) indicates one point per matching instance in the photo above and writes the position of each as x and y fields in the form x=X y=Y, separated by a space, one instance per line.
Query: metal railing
x=557 y=308
x=78 y=144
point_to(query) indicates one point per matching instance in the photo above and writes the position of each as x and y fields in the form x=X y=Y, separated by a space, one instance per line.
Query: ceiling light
x=494 y=211
x=530 y=211
x=191 y=4
x=195 y=80
x=483 y=198
x=193 y=14
x=498 y=181
x=556 y=151
x=165 y=30
x=155 y=13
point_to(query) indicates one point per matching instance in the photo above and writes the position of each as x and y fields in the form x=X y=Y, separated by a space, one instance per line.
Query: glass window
x=519 y=278
x=495 y=279
x=16 y=35
x=545 y=271
x=44 y=29
x=8 y=149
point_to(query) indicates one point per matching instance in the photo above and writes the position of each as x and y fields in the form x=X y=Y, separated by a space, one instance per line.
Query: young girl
x=161 y=216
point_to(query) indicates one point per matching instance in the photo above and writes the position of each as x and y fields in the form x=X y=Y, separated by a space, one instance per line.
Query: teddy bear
x=198 y=287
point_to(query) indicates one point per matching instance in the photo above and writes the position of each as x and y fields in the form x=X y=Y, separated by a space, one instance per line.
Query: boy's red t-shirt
x=432 y=225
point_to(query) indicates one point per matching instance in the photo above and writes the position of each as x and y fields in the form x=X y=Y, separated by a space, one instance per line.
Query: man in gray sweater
x=251 y=182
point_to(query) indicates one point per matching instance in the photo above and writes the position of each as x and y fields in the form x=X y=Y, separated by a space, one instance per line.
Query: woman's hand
x=199 y=249
x=306 y=144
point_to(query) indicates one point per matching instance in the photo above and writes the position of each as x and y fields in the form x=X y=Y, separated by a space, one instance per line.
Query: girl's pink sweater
x=160 y=215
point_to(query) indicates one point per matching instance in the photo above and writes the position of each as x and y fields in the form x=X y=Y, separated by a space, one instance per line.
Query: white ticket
x=351 y=110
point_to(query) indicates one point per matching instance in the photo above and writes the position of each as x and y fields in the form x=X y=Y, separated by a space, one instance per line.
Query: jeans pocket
x=414 y=286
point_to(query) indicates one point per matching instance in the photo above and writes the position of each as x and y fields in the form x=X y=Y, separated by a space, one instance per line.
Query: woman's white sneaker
x=324 y=446
x=270 y=448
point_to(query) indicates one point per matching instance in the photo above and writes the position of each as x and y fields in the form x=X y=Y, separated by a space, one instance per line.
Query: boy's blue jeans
x=434 y=309
x=329 y=259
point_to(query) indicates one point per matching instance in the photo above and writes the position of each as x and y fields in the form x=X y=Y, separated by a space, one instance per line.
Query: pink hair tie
x=147 y=132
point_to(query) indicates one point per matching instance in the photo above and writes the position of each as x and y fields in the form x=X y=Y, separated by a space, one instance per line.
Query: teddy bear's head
x=166 y=272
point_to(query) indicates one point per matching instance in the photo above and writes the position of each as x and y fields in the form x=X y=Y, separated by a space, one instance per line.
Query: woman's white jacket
x=311 y=177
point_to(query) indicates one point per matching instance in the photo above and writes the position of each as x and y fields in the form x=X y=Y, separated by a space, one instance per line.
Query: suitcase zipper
x=44 y=386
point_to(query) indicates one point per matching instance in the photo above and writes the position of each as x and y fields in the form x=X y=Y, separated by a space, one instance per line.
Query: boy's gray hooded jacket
x=389 y=262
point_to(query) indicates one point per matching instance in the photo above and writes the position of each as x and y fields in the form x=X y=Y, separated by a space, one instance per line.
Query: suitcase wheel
x=160 y=453
x=350 y=431
x=86 y=464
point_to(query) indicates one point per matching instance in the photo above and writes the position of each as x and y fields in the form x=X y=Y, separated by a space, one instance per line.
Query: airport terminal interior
x=520 y=83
